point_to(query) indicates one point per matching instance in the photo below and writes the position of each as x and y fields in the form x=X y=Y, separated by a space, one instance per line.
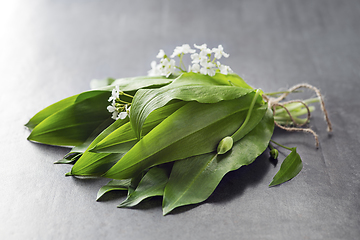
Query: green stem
x=127 y=95
x=293 y=106
x=271 y=146
x=181 y=62
x=285 y=115
x=281 y=145
x=257 y=93
x=119 y=100
x=180 y=68
x=281 y=92
x=287 y=121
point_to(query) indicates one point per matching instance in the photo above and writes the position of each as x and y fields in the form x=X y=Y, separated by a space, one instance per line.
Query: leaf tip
x=68 y=174
x=122 y=205
x=98 y=196
x=28 y=125
x=93 y=149
x=166 y=210
x=272 y=184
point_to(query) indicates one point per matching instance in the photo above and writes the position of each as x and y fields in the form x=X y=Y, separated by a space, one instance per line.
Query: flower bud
x=225 y=145
x=274 y=153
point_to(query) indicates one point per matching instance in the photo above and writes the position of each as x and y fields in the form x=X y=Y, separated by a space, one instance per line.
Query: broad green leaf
x=192 y=180
x=72 y=125
x=112 y=186
x=69 y=159
x=234 y=80
x=117 y=140
x=152 y=184
x=80 y=149
x=132 y=84
x=98 y=163
x=194 y=129
x=290 y=167
x=188 y=87
x=201 y=79
x=92 y=163
x=50 y=110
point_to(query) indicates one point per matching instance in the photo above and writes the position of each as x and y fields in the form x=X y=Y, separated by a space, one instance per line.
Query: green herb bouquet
x=174 y=133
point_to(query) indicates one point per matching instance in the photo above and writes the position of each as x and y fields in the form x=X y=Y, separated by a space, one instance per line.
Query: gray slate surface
x=50 y=50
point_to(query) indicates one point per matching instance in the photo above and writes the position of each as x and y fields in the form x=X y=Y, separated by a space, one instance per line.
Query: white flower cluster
x=119 y=108
x=201 y=62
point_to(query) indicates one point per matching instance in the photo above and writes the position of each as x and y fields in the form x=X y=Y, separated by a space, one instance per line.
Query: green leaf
x=188 y=87
x=132 y=84
x=97 y=163
x=192 y=180
x=113 y=185
x=152 y=184
x=72 y=125
x=194 y=129
x=121 y=137
x=234 y=80
x=80 y=149
x=50 y=110
x=69 y=158
x=290 y=167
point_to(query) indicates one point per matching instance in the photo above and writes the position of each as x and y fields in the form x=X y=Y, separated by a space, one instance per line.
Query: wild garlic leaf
x=118 y=139
x=50 y=110
x=152 y=184
x=234 y=80
x=193 y=180
x=135 y=83
x=72 y=125
x=193 y=129
x=289 y=168
x=113 y=185
x=98 y=163
x=76 y=152
x=69 y=158
x=187 y=87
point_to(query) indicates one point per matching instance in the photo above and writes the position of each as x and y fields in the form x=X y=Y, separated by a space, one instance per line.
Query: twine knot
x=276 y=102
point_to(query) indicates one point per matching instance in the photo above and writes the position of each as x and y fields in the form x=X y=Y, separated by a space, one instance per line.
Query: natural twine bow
x=274 y=102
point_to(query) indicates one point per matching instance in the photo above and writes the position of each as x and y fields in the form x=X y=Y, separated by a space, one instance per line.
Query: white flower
x=201 y=58
x=168 y=67
x=122 y=115
x=113 y=110
x=125 y=113
x=223 y=68
x=194 y=68
x=115 y=115
x=114 y=94
x=161 y=54
x=219 y=52
x=155 y=69
x=201 y=62
x=203 y=49
x=185 y=48
x=208 y=69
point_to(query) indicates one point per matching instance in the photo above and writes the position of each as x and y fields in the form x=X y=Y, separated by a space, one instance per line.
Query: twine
x=274 y=102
